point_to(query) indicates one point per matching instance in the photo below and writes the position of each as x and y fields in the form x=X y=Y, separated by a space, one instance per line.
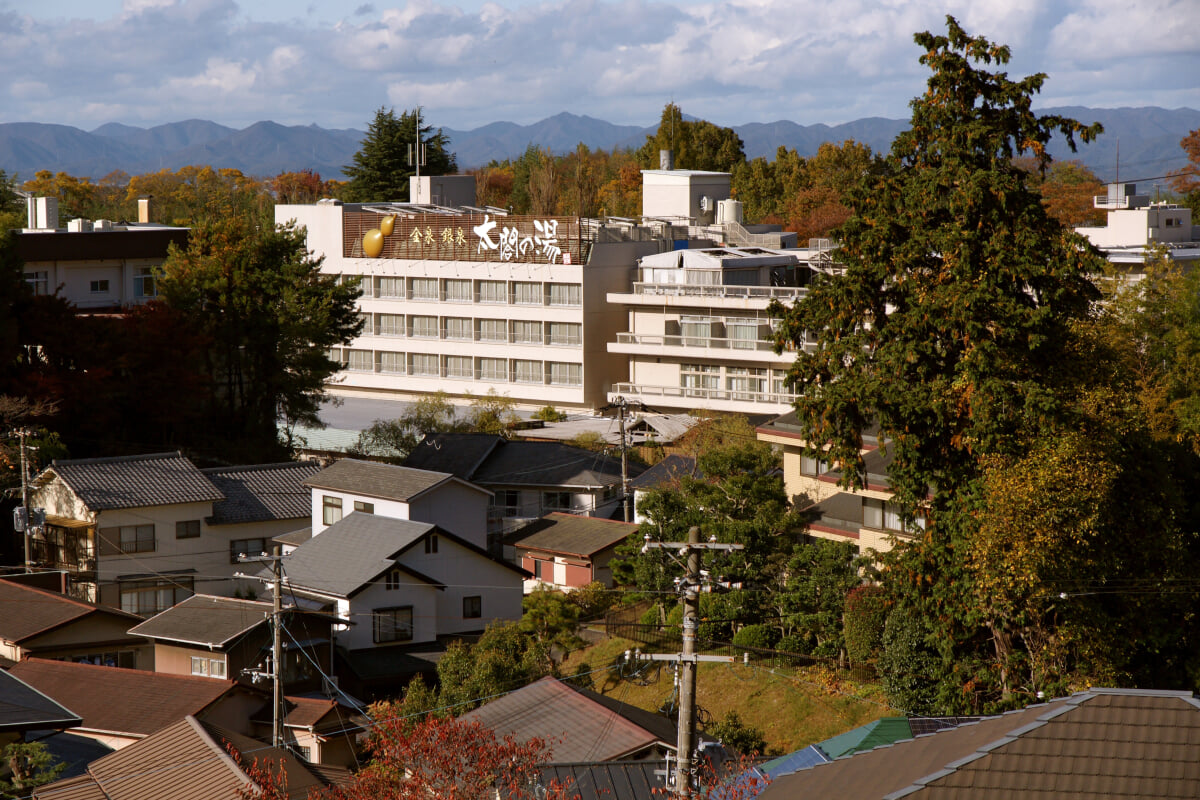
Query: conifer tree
x=381 y=167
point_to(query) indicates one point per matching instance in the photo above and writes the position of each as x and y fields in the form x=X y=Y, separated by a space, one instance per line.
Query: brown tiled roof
x=187 y=760
x=579 y=728
x=129 y=701
x=570 y=534
x=161 y=479
x=26 y=611
x=1102 y=743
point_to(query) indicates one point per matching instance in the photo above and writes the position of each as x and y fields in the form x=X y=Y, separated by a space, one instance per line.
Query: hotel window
x=393 y=624
x=391 y=362
x=331 y=509
x=742 y=333
x=527 y=294
x=360 y=361
x=424 y=327
x=565 y=333
x=39 y=282
x=527 y=332
x=144 y=283
x=151 y=597
x=493 y=292
x=424 y=289
x=493 y=369
x=100 y=286
x=700 y=377
x=696 y=331
x=565 y=374
x=368 y=328
x=745 y=382
x=493 y=330
x=458 y=291
x=364 y=508
x=249 y=547
x=390 y=324
x=566 y=294
x=527 y=371
x=459 y=367
x=391 y=287
x=425 y=364
x=458 y=328
x=187 y=529
x=472 y=607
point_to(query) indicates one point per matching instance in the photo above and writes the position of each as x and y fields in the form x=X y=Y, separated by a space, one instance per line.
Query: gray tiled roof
x=23 y=708
x=570 y=534
x=205 y=620
x=1102 y=743
x=493 y=461
x=374 y=479
x=611 y=780
x=667 y=472
x=161 y=479
x=351 y=553
x=262 y=492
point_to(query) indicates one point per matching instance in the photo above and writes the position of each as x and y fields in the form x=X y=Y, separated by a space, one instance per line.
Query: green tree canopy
x=381 y=169
x=697 y=144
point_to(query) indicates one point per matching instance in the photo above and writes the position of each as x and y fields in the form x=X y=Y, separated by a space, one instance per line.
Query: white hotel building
x=549 y=310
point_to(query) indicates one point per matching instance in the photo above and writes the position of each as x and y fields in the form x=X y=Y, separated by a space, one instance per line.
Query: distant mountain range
x=1147 y=138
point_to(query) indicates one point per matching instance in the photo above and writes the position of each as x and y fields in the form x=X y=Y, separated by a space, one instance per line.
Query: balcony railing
x=699 y=342
x=725 y=395
x=734 y=292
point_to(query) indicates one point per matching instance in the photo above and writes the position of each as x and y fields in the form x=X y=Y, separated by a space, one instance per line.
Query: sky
x=469 y=63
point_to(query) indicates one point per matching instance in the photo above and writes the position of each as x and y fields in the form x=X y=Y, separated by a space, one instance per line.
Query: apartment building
x=699 y=332
x=1139 y=228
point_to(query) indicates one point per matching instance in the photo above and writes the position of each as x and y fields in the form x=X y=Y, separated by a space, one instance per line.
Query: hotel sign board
x=524 y=239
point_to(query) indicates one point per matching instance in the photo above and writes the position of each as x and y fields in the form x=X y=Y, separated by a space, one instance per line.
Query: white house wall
x=410 y=592
x=467 y=574
x=457 y=508
x=393 y=509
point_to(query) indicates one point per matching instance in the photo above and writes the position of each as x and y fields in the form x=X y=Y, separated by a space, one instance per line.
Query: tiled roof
x=373 y=479
x=667 y=472
x=23 y=707
x=147 y=700
x=1102 y=743
x=611 y=780
x=350 y=553
x=570 y=534
x=187 y=760
x=580 y=728
x=161 y=479
x=493 y=461
x=205 y=620
x=262 y=492
x=26 y=611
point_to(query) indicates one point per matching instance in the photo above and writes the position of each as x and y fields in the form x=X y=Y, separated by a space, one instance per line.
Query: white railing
x=726 y=395
x=732 y=292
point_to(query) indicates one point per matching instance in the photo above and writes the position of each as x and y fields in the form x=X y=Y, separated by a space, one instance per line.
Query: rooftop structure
x=1138 y=228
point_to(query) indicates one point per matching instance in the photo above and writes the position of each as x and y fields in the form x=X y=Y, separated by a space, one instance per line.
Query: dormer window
x=431 y=543
x=392 y=581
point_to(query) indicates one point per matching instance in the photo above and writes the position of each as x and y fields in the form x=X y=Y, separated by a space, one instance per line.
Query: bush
x=733 y=733
x=863 y=621
x=760 y=636
x=794 y=643
x=594 y=600
x=909 y=668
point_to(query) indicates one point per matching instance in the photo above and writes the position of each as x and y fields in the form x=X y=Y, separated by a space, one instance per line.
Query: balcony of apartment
x=716 y=296
x=707 y=348
x=739 y=400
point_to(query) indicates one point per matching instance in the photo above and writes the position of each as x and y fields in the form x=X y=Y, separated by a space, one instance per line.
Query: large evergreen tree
x=381 y=168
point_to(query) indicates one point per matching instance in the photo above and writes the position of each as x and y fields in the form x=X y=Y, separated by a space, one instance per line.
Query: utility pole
x=690 y=588
x=624 y=462
x=275 y=672
x=22 y=433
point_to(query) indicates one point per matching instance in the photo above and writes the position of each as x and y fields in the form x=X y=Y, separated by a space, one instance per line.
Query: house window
x=493 y=369
x=493 y=330
x=136 y=539
x=365 y=508
x=527 y=294
x=472 y=607
x=391 y=581
x=459 y=328
x=187 y=529
x=812 y=466
x=527 y=371
x=566 y=294
x=459 y=367
x=39 y=282
x=565 y=374
x=331 y=509
x=458 y=291
x=424 y=289
x=393 y=624
x=216 y=668
x=509 y=501
x=556 y=501
x=126 y=659
x=565 y=333
x=100 y=286
x=431 y=543
x=425 y=364
x=390 y=324
x=527 y=332
x=390 y=362
x=424 y=327
x=359 y=360
x=246 y=547
x=493 y=292
x=144 y=283
x=208 y=667
x=151 y=597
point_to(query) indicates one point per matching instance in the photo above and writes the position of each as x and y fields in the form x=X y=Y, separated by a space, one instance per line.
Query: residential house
x=142 y=533
x=398 y=584
x=225 y=637
x=44 y=624
x=450 y=501
x=584 y=726
x=97 y=266
x=1138 y=229
x=188 y=760
x=24 y=709
x=1096 y=743
x=121 y=706
x=566 y=551
x=321 y=730
x=528 y=479
x=666 y=474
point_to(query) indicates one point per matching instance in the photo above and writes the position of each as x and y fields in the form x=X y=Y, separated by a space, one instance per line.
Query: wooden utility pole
x=275 y=672
x=624 y=462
